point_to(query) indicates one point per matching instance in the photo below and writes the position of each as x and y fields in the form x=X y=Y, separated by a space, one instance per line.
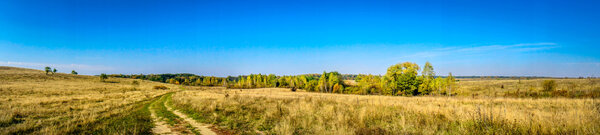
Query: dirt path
x=204 y=128
x=160 y=127
x=183 y=123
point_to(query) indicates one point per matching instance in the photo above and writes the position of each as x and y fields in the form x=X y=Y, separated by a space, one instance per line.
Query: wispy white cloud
x=585 y=63
x=524 y=47
x=82 y=67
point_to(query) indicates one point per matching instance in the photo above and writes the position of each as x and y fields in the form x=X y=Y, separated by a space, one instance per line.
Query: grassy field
x=280 y=111
x=570 y=88
x=32 y=102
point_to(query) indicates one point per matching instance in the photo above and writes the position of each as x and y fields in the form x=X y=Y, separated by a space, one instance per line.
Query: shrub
x=103 y=77
x=293 y=89
x=74 y=72
x=47 y=69
x=160 y=87
x=549 y=85
x=135 y=82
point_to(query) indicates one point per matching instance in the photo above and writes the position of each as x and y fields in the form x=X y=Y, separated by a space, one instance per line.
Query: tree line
x=404 y=79
x=180 y=79
x=330 y=82
x=400 y=79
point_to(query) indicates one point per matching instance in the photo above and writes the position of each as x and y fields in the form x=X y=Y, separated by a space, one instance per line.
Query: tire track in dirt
x=160 y=127
x=204 y=128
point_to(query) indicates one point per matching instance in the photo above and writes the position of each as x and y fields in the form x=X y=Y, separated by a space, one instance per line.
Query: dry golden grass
x=32 y=102
x=505 y=87
x=279 y=111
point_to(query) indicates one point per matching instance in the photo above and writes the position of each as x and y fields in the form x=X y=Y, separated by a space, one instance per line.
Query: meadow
x=280 y=111
x=523 y=87
x=33 y=102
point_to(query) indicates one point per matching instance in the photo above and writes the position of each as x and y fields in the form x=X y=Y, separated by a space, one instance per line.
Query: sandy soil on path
x=160 y=127
x=203 y=128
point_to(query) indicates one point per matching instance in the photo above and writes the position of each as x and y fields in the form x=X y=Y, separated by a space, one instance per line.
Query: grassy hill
x=281 y=111
x=32 y=102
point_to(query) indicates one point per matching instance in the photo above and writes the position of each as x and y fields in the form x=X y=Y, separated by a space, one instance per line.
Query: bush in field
x=160 y=87
x=135 y=82
x=103 y=77
x=549 y=85
x=54 y=71
x=47 y=69
x=73 y=72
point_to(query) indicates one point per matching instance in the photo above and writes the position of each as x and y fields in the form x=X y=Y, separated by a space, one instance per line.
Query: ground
x=33 y=102
x=281 y=111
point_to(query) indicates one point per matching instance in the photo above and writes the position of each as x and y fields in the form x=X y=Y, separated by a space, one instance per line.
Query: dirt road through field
x=169 y=121
x=160 y=127
x=204 y=130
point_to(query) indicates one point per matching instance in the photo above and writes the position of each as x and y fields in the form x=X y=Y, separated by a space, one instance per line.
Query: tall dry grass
x=279 y=111
x=570 y=88
x=32 y=102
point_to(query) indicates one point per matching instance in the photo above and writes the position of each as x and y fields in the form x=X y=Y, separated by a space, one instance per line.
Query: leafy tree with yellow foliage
x=401 y=79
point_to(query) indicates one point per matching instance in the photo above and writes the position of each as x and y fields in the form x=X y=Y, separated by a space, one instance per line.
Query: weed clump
x=135 y=82
x=549 y=85
x=160 y=87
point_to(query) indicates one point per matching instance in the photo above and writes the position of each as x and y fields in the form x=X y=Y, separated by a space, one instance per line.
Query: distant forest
x=401 y=79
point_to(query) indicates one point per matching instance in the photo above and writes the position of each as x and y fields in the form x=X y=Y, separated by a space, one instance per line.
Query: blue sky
x=220 y=38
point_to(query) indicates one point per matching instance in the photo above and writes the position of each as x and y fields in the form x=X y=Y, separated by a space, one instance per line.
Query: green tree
x=302 y=81
x=428 y=79
x=282 y=82
x=170 y=80
x=450 y=83
x=402 y=79
x=73 y=72
x=250 y=82
x=428 y=70
x=323 y=87
x=54 y=71
x=103 y=77
x=272 y=80
x=337 y=88
x=198 y=82
x=187 y=81
x=224 y=82
x=48 y=69
x=334 y=78
x=439 y=84
x=312 y=85
x=368 y=84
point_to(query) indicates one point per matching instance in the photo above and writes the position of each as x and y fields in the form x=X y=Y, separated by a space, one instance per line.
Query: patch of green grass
x=163 y=112
x=244 y=119
x=190 y=112
x=138 y=121
x=167 y=101
x=194 y=130
x=171 y=118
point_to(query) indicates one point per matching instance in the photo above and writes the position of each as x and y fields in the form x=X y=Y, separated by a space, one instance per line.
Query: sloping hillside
x=32 y=102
